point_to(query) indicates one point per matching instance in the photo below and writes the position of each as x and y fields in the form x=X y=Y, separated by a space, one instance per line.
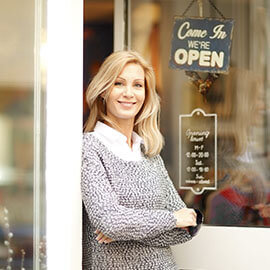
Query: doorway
x=98 y=39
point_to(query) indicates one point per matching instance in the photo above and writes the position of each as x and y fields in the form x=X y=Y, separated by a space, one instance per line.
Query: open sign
x=201 y=44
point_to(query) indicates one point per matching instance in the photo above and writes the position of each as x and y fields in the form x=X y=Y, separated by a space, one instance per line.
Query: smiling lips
x=126 y=103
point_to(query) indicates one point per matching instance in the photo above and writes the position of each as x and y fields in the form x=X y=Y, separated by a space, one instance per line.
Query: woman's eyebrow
x=137 y=79
x=120 y=78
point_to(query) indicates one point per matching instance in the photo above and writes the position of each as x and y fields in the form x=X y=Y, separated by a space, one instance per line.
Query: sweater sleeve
x=173 y=203
x=104 y=210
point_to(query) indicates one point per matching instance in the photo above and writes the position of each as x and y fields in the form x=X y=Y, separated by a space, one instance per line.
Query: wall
x=224 y=248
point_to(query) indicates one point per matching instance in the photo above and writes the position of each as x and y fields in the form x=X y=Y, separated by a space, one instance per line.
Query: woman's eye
x=138 y=85
x=118 y=83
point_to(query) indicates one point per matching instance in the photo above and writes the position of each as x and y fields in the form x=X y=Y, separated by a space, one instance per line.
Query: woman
x=132 y=212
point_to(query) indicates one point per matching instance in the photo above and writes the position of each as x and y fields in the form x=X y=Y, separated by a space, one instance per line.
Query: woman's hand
x=101 y=238
x=264 y=210
x=185 y=217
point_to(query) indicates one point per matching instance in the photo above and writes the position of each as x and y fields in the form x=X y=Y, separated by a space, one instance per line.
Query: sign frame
x=181 y=116
x=210 y=45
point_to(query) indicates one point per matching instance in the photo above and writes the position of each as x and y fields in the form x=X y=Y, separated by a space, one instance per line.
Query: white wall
x=64 y=129
x=226 y=248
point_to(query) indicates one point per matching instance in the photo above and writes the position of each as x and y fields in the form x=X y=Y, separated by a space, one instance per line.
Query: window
x=240 y=100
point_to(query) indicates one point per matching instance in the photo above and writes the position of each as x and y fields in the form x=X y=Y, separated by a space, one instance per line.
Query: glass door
x=22 y=209
x=240 y=195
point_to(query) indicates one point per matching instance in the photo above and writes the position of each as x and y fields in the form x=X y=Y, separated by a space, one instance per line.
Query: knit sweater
x=132 y=202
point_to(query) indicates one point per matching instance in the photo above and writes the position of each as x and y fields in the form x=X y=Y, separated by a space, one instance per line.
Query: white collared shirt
x=117 y=142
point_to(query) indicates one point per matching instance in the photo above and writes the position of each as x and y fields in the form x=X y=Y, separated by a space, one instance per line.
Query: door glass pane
x=240 y=100
x=20 y=136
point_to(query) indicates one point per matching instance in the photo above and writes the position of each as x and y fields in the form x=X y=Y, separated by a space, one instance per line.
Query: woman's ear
x=102 y=95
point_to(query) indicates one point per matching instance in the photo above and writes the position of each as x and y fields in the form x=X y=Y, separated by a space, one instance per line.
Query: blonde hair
x=147 y=120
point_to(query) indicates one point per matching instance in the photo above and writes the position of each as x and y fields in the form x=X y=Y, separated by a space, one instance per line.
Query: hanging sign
x=198 y=151
x=201 y=44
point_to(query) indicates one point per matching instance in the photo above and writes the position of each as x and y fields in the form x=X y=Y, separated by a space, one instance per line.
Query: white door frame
x=64 y=133
x=119 y=25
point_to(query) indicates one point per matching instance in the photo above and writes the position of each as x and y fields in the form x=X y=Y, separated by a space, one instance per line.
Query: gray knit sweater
x=131 y=202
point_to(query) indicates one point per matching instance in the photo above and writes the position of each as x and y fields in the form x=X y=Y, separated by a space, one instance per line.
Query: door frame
x=64 y=133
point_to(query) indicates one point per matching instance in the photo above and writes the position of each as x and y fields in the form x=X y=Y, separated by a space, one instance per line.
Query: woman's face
x=127 y=94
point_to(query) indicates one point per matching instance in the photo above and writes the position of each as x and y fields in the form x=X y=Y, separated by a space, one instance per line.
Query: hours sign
x=198 y=151
x=201 y=44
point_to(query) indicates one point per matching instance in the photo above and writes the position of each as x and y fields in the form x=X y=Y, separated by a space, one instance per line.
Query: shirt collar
x=136 y=139
x=114 y=136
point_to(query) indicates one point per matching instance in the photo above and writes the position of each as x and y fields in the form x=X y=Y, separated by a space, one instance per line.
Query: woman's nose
x=128 y=91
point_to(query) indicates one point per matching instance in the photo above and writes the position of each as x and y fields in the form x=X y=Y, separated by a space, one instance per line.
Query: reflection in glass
x=243 y=189
x=240 y=99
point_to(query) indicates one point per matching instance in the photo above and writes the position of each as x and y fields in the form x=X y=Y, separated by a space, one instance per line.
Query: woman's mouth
x=127 y=103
